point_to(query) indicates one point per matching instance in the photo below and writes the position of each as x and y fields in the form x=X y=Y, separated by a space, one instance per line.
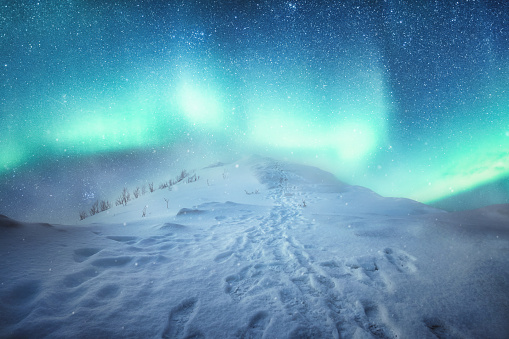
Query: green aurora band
x=342 y=118
x=349 y=145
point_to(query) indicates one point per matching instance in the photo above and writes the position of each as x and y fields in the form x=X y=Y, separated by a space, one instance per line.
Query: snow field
x=305 y=257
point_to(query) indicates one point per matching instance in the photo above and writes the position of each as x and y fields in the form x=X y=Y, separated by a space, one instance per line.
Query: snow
x=259 y=248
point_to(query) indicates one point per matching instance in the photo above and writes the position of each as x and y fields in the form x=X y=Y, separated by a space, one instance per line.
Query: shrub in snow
x=136 y=192
x=193 y=178
x=151 y=187
x=105 y=205
x=83 y=215
x=183 y=174
x=168 y=184
x=124 y=197
x=143 y=190
x=95 y=208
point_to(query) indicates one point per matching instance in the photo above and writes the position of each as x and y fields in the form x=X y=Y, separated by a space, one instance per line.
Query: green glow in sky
x=12 y=154
x=467 y=170
x=121 y=125
x=351 y=141
x=200 y=106
x=367 y=94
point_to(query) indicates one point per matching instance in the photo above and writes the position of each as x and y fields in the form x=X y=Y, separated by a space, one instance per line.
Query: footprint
x=374 y=324
x=22 y=293
x=322 y=283
x=257 y=325
x=222 y=257
x=179 y=319
x=304 y=284
x=17 y=302
x=437 y=327
x=82 y=254
x=401 y=260
x=367 y=271
x=240 y=284
x=336 y=270
x=293 y=300
x=108 y=292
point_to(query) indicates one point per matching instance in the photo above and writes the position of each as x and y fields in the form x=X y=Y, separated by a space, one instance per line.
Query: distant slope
x=496 y=192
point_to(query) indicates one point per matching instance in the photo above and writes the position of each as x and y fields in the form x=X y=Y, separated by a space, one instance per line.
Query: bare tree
x=95 y=208
x=124 y=197
x=127 y=195
x=143 y=189
x=183 y=174
x=136 y=192
x=83 y=215
x=105 y=205
x=151 y=187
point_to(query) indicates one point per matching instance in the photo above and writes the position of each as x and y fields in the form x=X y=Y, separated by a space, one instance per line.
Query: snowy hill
x=255 y=249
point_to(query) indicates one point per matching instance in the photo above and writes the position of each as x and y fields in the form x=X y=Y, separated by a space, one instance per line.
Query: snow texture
x=259 y=249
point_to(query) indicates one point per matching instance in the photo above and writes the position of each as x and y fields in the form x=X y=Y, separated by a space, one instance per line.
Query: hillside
x=259 y=248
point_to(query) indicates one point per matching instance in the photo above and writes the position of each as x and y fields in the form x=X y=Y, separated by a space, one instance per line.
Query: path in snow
x=311 y=293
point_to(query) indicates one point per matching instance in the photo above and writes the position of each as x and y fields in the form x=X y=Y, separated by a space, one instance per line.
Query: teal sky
x=408 y=100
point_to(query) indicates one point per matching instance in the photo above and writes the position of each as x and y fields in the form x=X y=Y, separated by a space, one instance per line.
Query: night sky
x=408 y=98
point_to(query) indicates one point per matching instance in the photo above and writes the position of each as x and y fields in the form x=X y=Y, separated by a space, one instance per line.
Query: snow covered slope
x=259 y=249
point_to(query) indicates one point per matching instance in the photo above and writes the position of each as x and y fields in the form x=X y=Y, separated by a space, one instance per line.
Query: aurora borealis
x=407 y=99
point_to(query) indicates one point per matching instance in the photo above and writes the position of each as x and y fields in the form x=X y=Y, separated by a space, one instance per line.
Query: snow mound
x=8 y=222
x=259 y=248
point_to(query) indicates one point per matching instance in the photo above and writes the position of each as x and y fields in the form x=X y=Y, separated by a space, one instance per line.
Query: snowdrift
x=255 y=249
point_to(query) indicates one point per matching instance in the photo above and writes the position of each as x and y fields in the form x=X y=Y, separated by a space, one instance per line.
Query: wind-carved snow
x=272 y=250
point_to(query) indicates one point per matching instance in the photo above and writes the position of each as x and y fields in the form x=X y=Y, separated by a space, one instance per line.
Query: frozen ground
x=259 y=249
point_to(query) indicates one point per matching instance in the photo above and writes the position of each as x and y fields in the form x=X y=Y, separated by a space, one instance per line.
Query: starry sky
x=407 y=98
